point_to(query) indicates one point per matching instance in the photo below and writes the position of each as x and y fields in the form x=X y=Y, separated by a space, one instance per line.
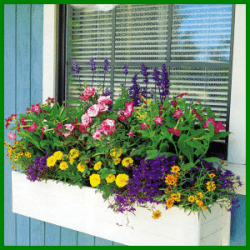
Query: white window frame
x=237 y=124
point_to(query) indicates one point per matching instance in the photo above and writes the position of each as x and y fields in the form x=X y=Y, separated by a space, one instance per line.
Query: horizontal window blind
x=193 y=40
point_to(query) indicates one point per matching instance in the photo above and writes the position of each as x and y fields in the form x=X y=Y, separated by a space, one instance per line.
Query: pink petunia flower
x=177 y=113
x=35 y=108
x=11 y=136
x=107 y=126
x=93 y=111
x=158 y=120
x=97 y=135
x=67 y=134
x=129 y=108
x=32 y=127
x=174 y=131
x=131 y=133
x=143 y=126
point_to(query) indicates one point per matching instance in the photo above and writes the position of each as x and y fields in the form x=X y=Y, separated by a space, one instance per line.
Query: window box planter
x=85 y=211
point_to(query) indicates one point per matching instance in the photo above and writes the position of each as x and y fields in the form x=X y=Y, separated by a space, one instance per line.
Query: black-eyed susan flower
x=211 y=175
x=191 y=198
x=175 y=169
x=171 y=179
x=170 y=203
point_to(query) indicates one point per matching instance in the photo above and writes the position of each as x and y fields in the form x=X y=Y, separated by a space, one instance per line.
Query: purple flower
x=105 y=68
x=125 y=72
x=92 y=67
x=164 y=83
x=145 y=74
x=75 y=67
x=134 y=92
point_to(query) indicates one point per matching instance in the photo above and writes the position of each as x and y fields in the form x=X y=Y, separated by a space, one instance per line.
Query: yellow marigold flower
x=175 y=169
x=170 y=203
x=74 y=153
x=170 y=179
x=16 y=158
x=212 y=175
x=200 y=194
x=27 y=154
x=98 y=165
x=95 y=180
x=10 y=149
x=191 y=198
x=58 y=155
x=51 y=161
x=121 y=180
x=13 y=167
x=110 y=178
x=63 y=165
x=71 y=160
x=115 y=152
x=117 y=160
x=156 y=215
x=126 y=161
x=81 y=167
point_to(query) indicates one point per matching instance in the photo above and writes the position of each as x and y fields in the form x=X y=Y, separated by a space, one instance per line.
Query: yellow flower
x=10 y=156
x=191 y=198
x=121 y=180
x=20 y=154
x=74 y=153
x=28 y=154
x=10 y=149
x=174 y=196
x=117 y=160
x=58 y=155
x=211 y=186
x=212 y=175
x=16 y=158
x=203 y=207
x=95 y=180
x=200 y=194
x=180 y=156
x=156 y=215
x=13 y=167
x=51 y=161
x=170 y=179
x=81 y=168
x=170 y=203
x=115 y=152
x=199 y=202
x=98 y=165
x=63 y=165
x=126 y=161
x=175 y=169
x=110 y=178
x=71 y=160
x=222 y=162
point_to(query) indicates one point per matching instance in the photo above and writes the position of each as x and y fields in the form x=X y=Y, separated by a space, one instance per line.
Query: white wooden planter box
x=85 y=211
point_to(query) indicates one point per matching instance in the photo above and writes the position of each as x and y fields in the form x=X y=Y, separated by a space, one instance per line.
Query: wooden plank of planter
x=85 y=211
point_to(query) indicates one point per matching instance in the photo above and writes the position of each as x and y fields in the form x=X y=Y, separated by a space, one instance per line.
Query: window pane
x=201 y=32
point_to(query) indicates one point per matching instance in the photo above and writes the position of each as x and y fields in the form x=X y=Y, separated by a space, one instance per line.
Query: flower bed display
x=142 y=150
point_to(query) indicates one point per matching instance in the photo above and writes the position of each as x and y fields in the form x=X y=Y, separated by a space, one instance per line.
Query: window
x=194 y=41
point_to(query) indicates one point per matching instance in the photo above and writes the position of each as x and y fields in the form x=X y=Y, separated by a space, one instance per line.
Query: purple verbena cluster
x=144 y=185
x=37 y=169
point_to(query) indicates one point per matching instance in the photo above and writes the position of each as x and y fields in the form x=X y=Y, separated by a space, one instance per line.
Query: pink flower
x=210 y=119
x=50 y=100
x=181 y=95
x=70 y=126
x=143 y=126
x=35 y=108
x=104 y=99
x=87 y=93
x=67 y=134
x=18 y=127
x=23 y=121
x=174 y=131
x=177 y=113
x=131 y=133
x=82 y=129
x=86 y=120
x=103 y=107
x=161 y=108
x=218 y=126
x=129 y=108
x=158 y=120
x=11 y=136
x=107 y=126
x=97 y=134
x=93 y=111
x=174 y=103
x=32 y=127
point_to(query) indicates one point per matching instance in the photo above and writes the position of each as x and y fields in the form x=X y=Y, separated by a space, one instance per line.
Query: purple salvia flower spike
x=92 y=67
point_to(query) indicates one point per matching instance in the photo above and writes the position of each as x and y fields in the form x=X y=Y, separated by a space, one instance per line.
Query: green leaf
x=164 y=147
x=199 y=151
x=188 y=166
x=212 y=159
x=152 y=154
x=140 y=151
x=211 y=129
x=23 y=134
x=184 y=147
x=195 y=144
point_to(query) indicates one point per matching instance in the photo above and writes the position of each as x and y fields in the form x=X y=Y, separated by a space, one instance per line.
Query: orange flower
x=175 y=169
x=156 y=215
x=170 y=203
x=212 y=175
x=170 y=179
